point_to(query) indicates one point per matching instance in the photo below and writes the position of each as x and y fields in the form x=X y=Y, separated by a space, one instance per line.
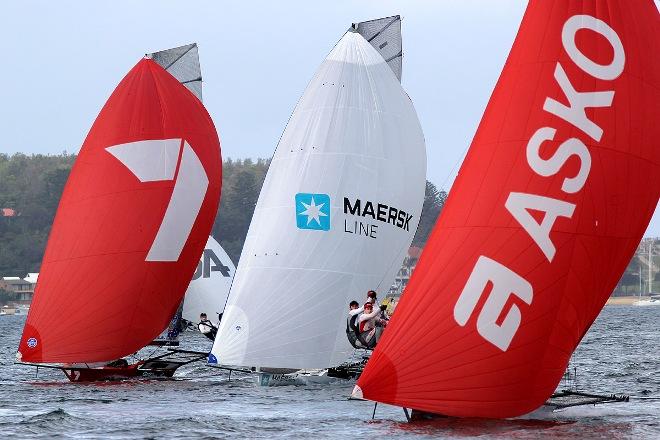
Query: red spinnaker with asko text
x=555 y=193
x=132 y=222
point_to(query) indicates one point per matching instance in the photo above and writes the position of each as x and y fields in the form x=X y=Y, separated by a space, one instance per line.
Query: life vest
x=354 y=335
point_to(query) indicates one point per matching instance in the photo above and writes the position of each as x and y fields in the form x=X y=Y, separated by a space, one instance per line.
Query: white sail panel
x=183 y=63
x=384 y=34
x=209 y=288
x=354 y=137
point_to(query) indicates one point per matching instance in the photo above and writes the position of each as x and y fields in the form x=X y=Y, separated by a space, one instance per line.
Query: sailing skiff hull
x=102 y=374
x=142 y=369
x=302 y=377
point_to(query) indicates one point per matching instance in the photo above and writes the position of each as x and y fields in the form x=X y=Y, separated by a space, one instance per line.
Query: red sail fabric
x=559 y=185
x=132 y=222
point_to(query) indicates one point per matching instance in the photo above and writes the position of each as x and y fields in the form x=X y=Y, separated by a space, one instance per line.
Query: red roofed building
x=8 y=212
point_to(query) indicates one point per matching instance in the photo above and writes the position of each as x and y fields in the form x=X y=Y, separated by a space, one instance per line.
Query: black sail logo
x=379 y=212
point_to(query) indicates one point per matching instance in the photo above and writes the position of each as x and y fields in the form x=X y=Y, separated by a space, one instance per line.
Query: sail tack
x=559 y=185
x=133 y=219
x=337 y=211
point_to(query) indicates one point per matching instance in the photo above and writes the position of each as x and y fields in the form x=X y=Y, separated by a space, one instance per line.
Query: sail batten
x=353 y=144
x=559 y=184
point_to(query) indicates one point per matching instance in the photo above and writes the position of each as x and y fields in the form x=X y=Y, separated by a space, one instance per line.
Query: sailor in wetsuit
x=206 y=327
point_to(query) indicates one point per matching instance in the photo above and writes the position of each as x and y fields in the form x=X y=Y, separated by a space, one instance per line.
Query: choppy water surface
x=619 y=354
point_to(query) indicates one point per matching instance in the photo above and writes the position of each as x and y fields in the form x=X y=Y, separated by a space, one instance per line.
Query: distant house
x=32 y=277
x=22 y=289
x=406 y=270
x=7 y=212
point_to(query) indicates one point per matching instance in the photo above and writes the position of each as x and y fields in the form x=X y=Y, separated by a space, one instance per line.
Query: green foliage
x=241 y=184
x=31 y=186
x=6 y=297
x=628 y=279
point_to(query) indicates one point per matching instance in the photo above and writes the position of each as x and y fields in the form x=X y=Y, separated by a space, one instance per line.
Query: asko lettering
x=488 y=272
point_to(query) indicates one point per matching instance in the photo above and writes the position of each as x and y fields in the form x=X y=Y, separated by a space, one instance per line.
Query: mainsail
x=132 y=222
x=182 y=63
x=384 y=34
x=338 y=209
x=209 y=288
x=559 y=185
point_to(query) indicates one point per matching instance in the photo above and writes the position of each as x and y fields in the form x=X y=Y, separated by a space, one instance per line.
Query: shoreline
x=624 y=300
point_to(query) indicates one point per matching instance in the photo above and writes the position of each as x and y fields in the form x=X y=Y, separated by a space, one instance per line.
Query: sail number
x=505 y=283
x=210 y=263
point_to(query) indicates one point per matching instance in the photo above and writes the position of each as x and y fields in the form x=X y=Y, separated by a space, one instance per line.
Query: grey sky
x=62 y=60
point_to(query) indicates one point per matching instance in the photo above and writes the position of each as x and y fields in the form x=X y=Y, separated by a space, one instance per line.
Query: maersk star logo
x=313 y=211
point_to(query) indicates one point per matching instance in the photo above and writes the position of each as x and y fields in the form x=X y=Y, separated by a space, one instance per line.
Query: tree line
x=31 y=186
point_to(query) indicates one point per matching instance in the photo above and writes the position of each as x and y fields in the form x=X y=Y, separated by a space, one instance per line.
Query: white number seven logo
x=505 y=283
x=157 y=160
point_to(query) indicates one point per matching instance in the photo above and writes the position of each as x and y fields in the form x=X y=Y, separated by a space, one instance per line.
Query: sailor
x=206 y=327
x=354 y=310
x=372 y=297
x=371 y=323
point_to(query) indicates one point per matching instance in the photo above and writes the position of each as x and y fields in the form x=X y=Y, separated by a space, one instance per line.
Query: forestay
x=337 y=212
x=559 y=185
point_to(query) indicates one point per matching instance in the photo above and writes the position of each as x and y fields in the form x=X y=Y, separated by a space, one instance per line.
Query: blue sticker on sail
x=32 y=342
x=212 y=359
x=313 y=211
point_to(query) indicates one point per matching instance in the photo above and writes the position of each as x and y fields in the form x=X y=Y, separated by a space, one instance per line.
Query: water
x=619 y=354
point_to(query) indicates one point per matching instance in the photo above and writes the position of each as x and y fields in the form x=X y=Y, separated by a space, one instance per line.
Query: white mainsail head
x=384 y=34
x=209 y=288
x=338 y=210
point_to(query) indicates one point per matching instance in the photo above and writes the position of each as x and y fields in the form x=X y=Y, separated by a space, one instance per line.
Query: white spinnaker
x=207 y=292
x=355 y=134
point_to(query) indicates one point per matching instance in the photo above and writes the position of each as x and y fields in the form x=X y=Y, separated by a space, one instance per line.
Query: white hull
x=647 y=302
x=300 y=377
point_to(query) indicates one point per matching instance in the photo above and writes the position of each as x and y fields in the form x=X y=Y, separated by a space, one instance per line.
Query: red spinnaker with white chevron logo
x=556 y=191
x=132 y=222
